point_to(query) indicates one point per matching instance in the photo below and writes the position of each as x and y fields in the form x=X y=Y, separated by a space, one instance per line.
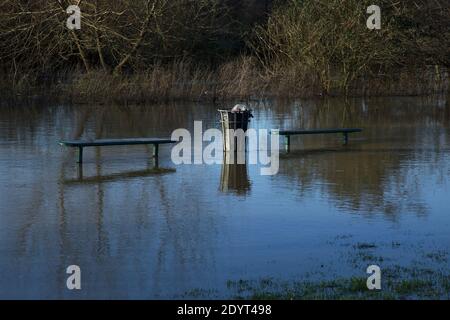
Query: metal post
x=288 y=144
x=80 y=155
x=156 y=153
x=80 y=172
x=345 y=138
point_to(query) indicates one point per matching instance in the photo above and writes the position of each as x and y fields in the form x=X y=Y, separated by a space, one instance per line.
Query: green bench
x=289 y=133
x=80 y=144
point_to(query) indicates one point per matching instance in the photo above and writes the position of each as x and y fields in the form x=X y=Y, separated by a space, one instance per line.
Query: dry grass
x=240 y=79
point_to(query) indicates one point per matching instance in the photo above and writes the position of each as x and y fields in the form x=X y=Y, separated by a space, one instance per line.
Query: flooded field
x=223 y=231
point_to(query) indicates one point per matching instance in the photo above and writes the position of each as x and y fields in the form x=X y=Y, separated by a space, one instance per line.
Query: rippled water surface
x=140 y=233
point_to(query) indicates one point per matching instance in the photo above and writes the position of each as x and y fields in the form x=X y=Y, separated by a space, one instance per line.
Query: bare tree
x=114 y=34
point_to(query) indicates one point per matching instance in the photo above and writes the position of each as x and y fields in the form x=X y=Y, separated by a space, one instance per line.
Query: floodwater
x=140 y=233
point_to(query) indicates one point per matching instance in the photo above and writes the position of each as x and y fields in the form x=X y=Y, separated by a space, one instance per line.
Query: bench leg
x=156 y=154
x=80 y=172
x=288 y=144
x=155 y=151
x=345 y=139
x=80 y=155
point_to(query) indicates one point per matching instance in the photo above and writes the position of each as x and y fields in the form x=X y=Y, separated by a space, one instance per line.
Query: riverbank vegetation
x=145 y=51
x=426 y=278
x=415 y=284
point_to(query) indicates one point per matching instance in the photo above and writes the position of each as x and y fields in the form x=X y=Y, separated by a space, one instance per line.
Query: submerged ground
x=199 y=231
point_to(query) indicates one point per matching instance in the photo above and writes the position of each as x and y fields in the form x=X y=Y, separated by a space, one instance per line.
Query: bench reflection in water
x=117 y=176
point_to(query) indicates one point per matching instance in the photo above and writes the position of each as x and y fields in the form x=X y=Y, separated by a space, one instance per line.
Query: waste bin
x=234 y=119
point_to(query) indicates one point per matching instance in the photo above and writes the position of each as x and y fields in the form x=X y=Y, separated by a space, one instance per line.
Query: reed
x=241 y=79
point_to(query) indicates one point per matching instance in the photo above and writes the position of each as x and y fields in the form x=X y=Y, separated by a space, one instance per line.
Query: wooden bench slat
x=115 y=142
x=319 y=131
